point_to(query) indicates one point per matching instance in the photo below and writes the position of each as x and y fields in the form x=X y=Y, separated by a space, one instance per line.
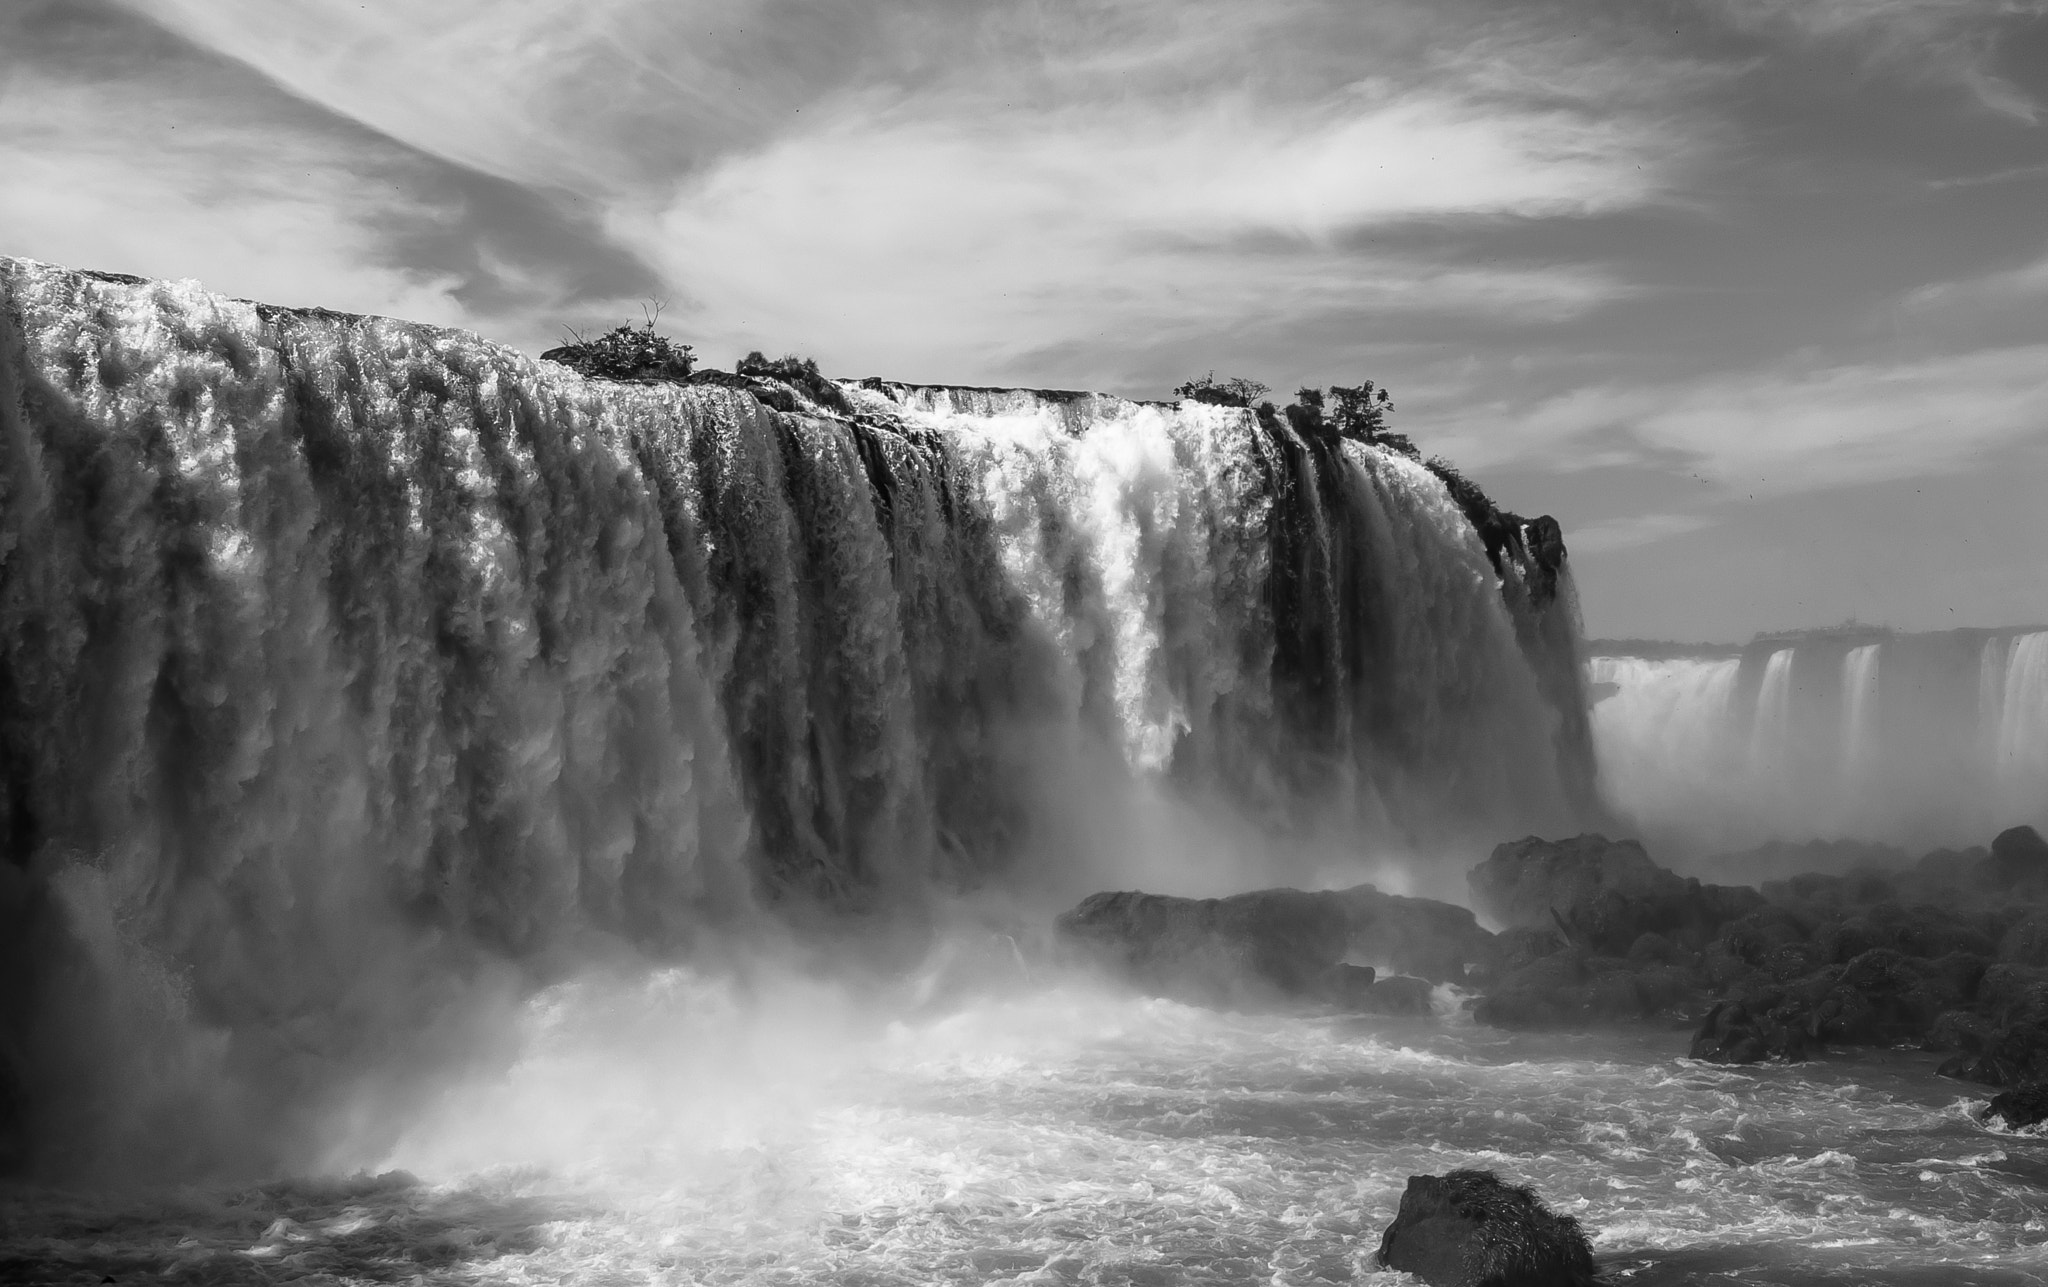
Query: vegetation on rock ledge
x=626 y=353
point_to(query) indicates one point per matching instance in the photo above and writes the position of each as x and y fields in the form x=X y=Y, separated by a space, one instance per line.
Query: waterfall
x=2019 y=730
x=1770 y=726
x=1665 y=731
x=1859 y=716
x=359 y=675
x=1911 y=740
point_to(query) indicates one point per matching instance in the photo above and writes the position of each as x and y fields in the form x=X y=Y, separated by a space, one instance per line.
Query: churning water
x=687 y=1130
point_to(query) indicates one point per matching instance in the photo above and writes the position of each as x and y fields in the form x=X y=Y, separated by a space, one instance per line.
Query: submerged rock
x=1469 y=1229
x=2018 y=856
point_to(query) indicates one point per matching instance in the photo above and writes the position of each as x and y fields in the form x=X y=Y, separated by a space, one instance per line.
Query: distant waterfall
x=1770 y=726
x=1859 y=715
x=354 y=669
x=1666 y=731
x=2019 y=724
x=1918 y=740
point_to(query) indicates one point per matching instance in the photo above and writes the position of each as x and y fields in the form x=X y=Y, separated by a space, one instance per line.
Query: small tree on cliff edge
x=1234 y=392
x=1358 y=412
x=1361 y=410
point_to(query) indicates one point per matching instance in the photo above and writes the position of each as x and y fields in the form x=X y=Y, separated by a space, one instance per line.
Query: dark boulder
x=1418 y=936
x=1519 y=946
x=1753 y=1028
x=2020 y=1107
x=2025 y=942
x=1773 y=942
x=1468 y=1229
x=1603 y=894
x=2005 y=1042
x=1825 y=858
x=2019 y=856
x=1841 y=892
x=1946 y=864
x=1248 y=949
x=1277 y=945
x=1881 y=997
x=1921 y=930
x=1574 y=989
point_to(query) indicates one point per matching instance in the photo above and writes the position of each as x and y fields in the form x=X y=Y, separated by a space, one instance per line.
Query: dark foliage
x=1475 y=502
x=1358 y=412
x=801 y=374
x=1234 y=392
x=626 y=353
x=1361 y=411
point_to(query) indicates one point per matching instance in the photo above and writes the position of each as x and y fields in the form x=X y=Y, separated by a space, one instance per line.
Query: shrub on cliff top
x=1358 y=412
x=801 y=374
x=626 y=353
x=1234 y=392
x=1361 y=410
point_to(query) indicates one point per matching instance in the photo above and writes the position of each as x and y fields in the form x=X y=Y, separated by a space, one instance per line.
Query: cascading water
x=1859 y=716
x=1913 y=740
x=1770 y=726
x=2019 y=726
x=358 y=673
x=1665 y=731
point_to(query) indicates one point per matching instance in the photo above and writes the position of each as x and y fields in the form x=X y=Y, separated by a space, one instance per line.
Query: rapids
x=676 y=1130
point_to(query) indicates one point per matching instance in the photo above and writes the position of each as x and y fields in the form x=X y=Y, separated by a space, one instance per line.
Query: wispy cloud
x=1936 y=40
x=131 y=149
x=2006 y=175
x=1093 y=221
x=1796 y=429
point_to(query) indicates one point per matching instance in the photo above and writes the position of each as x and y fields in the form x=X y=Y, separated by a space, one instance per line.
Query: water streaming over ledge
x=1914 y=740
x=361 y=675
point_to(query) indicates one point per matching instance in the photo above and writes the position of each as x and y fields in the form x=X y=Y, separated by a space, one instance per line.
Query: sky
x=1751 y=294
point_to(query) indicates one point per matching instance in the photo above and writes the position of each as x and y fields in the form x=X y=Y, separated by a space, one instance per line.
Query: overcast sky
x=1751 y=294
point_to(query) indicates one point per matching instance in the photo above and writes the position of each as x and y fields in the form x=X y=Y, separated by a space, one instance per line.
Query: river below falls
x=684 y=1130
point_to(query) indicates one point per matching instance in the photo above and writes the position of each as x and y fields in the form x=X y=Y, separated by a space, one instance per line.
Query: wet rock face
x=1280 y=945
x=1603 y=894
x=1469 y=1229
x=1415 y=936
x=1252 y=948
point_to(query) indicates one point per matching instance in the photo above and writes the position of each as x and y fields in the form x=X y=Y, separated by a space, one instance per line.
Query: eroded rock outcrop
x=1469 y=1229
x=1604 y=894
x=1281 y=945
